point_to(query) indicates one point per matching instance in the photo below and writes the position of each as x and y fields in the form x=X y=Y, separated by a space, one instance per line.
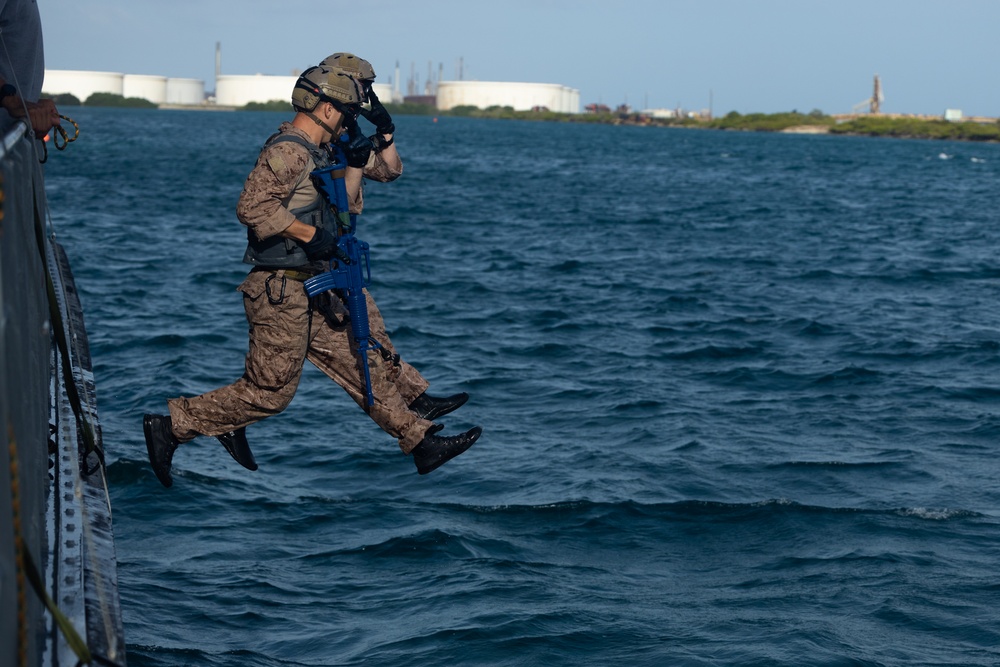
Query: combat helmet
x=357 y=67
x=325 y=84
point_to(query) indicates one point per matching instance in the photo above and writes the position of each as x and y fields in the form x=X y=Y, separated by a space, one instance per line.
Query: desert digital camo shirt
x=280 y=181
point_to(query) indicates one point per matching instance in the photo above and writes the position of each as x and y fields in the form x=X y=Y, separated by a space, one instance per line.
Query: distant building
x=518 y=96
x=425 y=100
x=231 y=90
x=237 y=90
x=660 y=113
x=157 y=89
x=146 y=86
x=953 y=114
x=185 y=91
x=82 y=84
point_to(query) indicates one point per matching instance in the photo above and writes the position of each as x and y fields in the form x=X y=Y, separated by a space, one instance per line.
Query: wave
x=773 y=379
x=716 y=352
x=837 y=465
x=850 y=375
x=692 y=509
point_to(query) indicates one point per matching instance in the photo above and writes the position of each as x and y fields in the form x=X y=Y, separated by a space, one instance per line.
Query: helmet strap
x=315 y=119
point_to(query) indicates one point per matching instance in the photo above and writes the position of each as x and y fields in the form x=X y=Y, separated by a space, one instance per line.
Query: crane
x=874 y=103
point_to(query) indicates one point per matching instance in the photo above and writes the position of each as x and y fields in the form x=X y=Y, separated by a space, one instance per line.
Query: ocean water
x=739 y=394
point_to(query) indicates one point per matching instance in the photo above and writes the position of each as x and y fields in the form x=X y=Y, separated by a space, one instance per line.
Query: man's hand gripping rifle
x=350 y=277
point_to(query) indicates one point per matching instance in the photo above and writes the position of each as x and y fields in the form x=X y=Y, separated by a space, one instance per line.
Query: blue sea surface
x=739 y=395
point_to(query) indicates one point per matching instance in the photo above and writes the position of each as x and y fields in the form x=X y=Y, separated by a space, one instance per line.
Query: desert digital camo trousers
x=409 y=382
x=285 y=330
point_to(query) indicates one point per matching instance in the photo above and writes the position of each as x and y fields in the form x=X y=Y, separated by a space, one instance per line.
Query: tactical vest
x=278 y=252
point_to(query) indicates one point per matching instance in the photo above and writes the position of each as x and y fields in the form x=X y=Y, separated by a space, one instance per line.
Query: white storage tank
x=519 y=96
x=237 y=90
x=146 y=86
x=571 y=98
x=82 y=84
x=383 y=91
x=185 y=91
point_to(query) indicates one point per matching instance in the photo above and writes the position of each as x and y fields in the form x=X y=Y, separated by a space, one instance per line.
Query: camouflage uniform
x=287 y=327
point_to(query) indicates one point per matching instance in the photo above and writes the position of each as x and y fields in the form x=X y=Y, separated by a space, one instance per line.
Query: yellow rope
x=61 y=131
x=58 y=131
x=26 y=570
x=72 y=637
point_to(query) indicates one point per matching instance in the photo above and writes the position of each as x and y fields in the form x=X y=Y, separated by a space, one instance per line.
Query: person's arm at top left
x=42 y=115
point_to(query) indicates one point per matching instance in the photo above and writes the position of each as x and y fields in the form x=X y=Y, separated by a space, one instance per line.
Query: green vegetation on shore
x=64 y=99
x=272 y=105
x=816 y=120
x=761 y=122
x=916 y=128
x=101 y=100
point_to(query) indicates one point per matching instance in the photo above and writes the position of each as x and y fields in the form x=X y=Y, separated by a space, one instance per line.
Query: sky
x=748 y=56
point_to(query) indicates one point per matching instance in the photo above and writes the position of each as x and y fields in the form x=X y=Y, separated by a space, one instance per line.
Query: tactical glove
x=358 y=147
x=380 y=143
x=323 y=246
x=378 y=116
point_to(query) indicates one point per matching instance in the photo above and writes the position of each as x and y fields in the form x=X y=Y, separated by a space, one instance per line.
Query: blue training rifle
x=351 y=277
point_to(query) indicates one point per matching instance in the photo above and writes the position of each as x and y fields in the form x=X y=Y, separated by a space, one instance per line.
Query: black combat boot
x=431 y=407
x=160 y=444
x=433 y=451
x=236 y=444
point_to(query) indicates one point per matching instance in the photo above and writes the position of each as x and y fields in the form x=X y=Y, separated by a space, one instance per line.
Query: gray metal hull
x=53 y=487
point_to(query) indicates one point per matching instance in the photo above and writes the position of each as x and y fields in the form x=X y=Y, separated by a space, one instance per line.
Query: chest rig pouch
x=278 y=252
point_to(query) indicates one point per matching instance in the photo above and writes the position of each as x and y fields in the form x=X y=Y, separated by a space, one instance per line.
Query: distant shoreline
x=897 y=126
x=985 y=130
